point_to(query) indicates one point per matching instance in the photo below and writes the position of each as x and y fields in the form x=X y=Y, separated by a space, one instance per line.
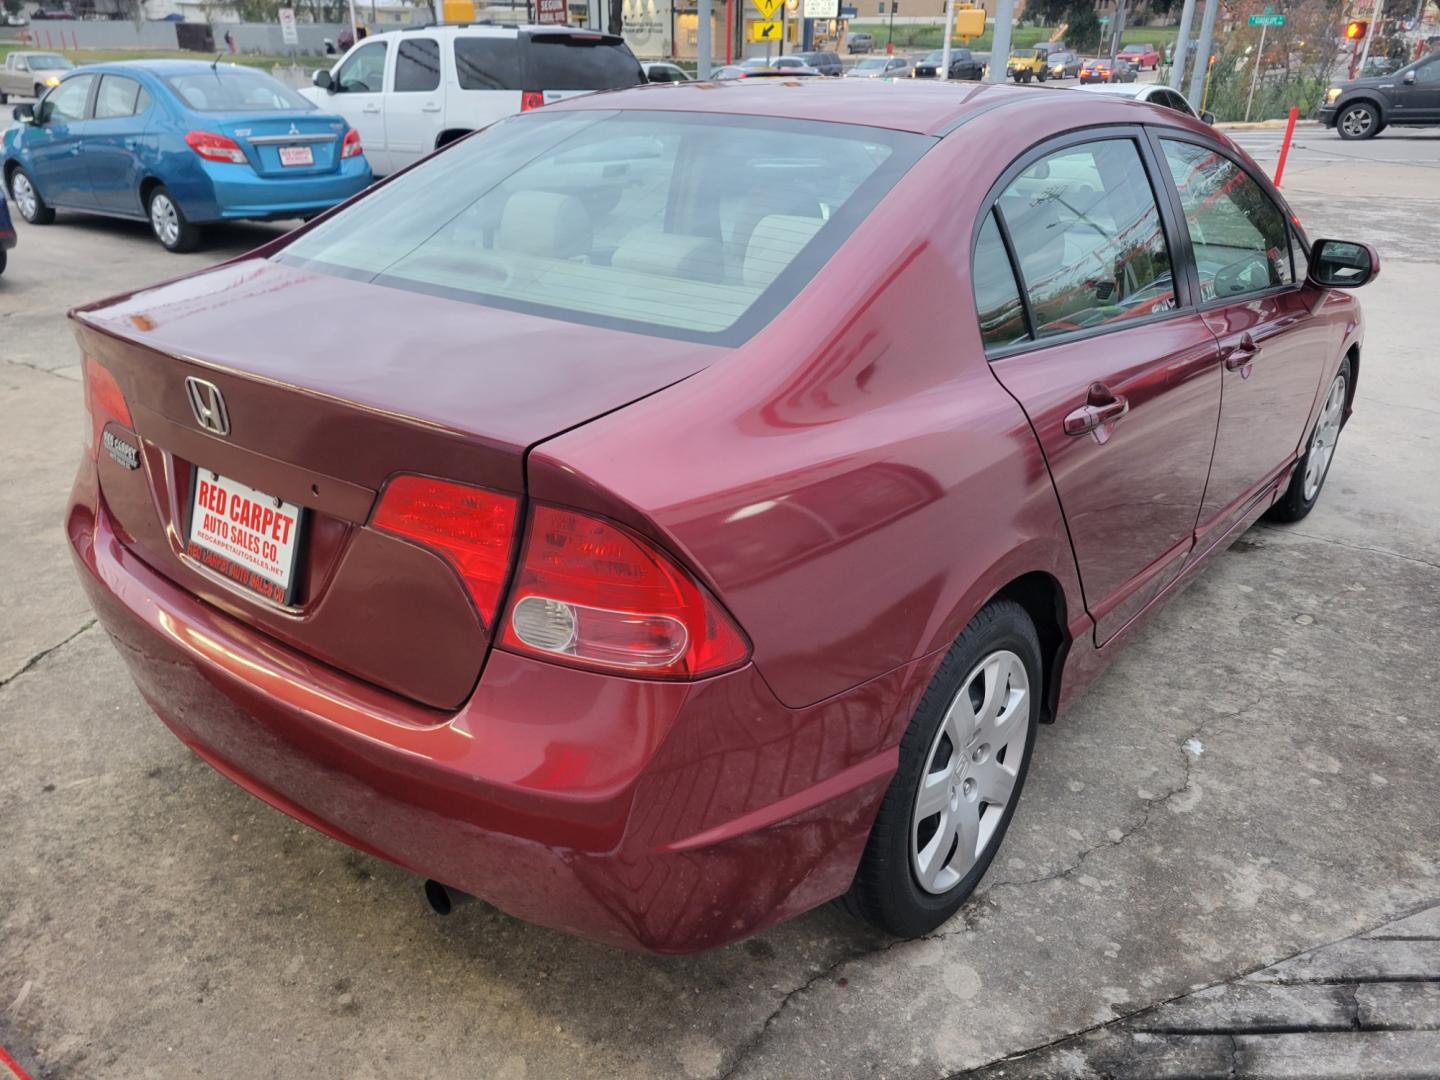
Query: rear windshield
x=569 y=62
x=695 y=226
x=222 y=90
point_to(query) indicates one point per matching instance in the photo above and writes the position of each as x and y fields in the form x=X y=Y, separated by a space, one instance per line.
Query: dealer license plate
x=296 y=155
x=248 y=536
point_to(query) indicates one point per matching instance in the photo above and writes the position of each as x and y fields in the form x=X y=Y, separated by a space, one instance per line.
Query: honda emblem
x=208 y=405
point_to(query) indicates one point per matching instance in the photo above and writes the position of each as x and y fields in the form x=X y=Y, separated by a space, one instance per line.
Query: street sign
x=768 y=8
x=288 y=33
x=1268 y=19
x=765 y=30
x=551 y=11
x=820 y=9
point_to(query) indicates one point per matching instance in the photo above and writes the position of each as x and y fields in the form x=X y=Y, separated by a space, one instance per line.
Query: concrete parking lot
x=1254 y=779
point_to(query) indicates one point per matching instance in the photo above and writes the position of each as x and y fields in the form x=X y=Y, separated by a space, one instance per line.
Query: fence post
x=1285 y=145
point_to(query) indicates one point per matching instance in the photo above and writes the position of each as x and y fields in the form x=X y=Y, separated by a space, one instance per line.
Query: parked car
x=1363 y=108
x=1064 y=65
x=1029 y=64
x=1102 y=70
x=1140 y=56
x=793 y=62
x=409 y=92
x=657 y=71
x=30 y=74
x=726 y=72
x=7 y=233
x=1155 y=94
x=688 y=620
x=859 y=42
x=963 y=65
x=827 y=63
x=880 y=67
x=178 y=143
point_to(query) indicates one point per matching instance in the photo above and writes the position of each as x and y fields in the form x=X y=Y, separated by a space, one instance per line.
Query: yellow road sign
x=768 y=8
x=768 y=30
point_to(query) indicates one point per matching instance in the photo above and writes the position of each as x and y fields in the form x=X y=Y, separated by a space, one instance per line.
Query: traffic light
x=969 y=21
x=1356 y=29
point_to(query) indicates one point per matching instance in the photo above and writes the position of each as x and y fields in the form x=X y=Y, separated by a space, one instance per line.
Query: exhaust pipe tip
x=443 y=899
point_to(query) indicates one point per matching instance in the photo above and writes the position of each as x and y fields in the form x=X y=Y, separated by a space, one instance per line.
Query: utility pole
x=1182 y=45
x=944 y=72
x=1117 y=28
x=999 y=43
x=1202 y=52
x=702 y=40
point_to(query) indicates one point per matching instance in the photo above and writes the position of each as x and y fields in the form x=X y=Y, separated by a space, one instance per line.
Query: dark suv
x=963 y=65
x=827 y=63
x=1364 y=107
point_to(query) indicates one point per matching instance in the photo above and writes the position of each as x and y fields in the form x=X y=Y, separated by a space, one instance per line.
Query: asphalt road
x=1253 y=779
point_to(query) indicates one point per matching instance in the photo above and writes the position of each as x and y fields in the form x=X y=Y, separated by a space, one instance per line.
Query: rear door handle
x=372 y=108
x=1101 y=408
x=1242 y=354
x=431 y=106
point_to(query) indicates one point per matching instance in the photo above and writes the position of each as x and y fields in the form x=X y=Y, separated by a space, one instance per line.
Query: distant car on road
x=52 y=15
x=1029 y=63
x=1155 y=94
x=178 y=143
x=1142 y=56
x=1363 y=108
x=859 y=42
x=827 y=63
x=1105 y=71
x=30 y=74
x=880 y=67
x=1064 y=65
x=7 y=233
x=658 y=71
x=964 y=65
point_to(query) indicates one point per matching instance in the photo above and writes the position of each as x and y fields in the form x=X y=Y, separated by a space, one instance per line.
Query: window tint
x=1428 y=73
x=488 y=63
x=363 y=71
x=672 y=224
x=417 y=65
x=997 y=297
x=116 y=97
x=1239 y=237
x=1088 y=238
x=563 y=62
x=236 y=90
x=67 y=101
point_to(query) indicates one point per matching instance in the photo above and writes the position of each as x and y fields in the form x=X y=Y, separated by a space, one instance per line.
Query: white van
x=410 y=91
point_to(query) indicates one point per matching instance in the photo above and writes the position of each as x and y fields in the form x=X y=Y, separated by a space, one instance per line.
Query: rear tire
x=974 y=725
x=1308 y=479
x=1359 y=120
x=167 y=222
x=27 y=199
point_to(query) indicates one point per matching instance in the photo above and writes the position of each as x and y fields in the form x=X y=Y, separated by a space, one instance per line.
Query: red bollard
x=1285 y=145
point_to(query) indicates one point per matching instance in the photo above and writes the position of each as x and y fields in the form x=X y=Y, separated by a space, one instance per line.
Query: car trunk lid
x=287 y=144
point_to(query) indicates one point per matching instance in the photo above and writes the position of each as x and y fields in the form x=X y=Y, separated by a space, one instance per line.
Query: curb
x=1236 y=125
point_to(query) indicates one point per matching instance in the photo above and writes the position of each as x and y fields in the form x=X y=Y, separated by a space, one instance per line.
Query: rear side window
x=488 y=63
x=417 y=65
x=116 y=97
x=700 y=227
x=1088 y=238
x=571 y=62
x=997 y=296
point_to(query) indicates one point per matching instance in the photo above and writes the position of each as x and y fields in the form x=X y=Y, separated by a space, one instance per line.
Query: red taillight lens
x=531 y=99
x=351 y=146
x=472 y=527
x=103 y=402
x=214 y=147
x=591 y=593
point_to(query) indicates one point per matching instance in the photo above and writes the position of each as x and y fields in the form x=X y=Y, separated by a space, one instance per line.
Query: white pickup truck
x=409 y=92
x=30 y=74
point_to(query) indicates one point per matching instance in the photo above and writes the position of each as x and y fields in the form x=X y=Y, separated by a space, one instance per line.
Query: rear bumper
x=236 y=191
x=660 y=816
x=7 y=237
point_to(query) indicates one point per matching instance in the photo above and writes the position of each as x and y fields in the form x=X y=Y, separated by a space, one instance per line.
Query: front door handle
x=1242 y=354
x=431 y=106
x=372 y=108
x=1101 y=408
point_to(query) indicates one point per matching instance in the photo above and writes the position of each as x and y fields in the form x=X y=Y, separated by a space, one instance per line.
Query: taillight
x=531 y=99
x=103 y=402
x=591 y=593
x=214 y=147
x=351 y=146
x=471 y=527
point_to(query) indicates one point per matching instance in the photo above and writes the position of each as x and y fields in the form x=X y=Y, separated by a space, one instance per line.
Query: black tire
x=174 y=233
x=4 y=258
x=1295 y=504
x=886 y=891
x=39 y=91
x=4 y=97
x=33 y=208
x=1358 y=120
x=1042 y=75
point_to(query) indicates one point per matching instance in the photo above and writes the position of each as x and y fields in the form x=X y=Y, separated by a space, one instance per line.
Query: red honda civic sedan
x=666 y=511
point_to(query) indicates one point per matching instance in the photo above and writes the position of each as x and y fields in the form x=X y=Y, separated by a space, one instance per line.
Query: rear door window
x=575 y=62
x=488 y=63
x=116 y=97
x=417 y=65
x=997 y=296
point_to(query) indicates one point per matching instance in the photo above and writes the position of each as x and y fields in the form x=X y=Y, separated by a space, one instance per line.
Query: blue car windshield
x=235 y=90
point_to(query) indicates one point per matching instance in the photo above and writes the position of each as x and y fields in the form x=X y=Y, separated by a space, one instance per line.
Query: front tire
x=27 y=199
x=167 y=222
x=963 y=762
x=1309 y=477
x=1359 y=120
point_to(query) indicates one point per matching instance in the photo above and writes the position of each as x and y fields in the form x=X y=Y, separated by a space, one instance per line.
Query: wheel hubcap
x=24 y=195
x=164 y=220
x=970 y=772
x=1322 y=443
x=1356 y=122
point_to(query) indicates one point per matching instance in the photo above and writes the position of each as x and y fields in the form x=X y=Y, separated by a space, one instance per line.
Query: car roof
x=167 y=67
x=1133 y=90
x=921 y=106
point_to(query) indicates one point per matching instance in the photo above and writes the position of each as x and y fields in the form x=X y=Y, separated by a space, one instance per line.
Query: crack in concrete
x=1354 y=547
x=44 y=371
x=29 y=664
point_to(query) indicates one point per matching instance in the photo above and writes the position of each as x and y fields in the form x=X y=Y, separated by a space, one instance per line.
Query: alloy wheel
x=1356 y=122
x=164 y=219
x=25 y=197
x=1322 y=442
x=970 y=772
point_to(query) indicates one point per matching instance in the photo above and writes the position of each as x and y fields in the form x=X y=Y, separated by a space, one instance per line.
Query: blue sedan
x=178 y=143
x=7 y=235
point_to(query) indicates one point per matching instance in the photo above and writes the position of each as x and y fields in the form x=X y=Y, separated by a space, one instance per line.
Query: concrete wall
x=249 y=37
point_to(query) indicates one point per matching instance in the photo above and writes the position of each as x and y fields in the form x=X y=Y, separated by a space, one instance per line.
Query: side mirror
x=323 y=80
x=1340 y=264
x=1206 y=116
x=1409 y=78
x=24 y=114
